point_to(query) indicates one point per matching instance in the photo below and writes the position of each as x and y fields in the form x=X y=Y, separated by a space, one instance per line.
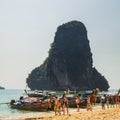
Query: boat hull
x=31 y=106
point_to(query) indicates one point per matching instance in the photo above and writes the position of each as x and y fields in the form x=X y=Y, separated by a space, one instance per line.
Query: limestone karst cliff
x=2 y=87
x=69 y=63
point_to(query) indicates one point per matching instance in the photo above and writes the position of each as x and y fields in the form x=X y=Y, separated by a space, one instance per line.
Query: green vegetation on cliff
x=69 y=63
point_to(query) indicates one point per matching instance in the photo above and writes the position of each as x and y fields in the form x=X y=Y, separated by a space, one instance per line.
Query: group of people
x=110 y=101
x=61 y=106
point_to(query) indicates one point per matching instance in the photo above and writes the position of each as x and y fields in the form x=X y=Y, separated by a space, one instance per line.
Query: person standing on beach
x=117 y=101
x=107 y=101
x=57 y=106
x=94 y=96
x=112 y=101
x=78 y=103
x=51 y=103
x=89 y=106
x=65 y=104
x=103 y=102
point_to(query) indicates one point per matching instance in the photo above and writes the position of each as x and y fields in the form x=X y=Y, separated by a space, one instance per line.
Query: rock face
x=2 y=87
x=69 y=63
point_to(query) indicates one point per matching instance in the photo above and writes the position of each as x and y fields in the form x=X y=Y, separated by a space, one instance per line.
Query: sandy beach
x=95 y=114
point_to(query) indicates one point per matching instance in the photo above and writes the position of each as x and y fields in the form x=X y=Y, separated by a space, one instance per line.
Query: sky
x=27 y=28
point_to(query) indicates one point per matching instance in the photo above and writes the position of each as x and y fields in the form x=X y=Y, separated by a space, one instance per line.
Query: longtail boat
x=32 y=104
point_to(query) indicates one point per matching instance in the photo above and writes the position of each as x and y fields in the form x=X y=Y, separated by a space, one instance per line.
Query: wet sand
x=95 y=114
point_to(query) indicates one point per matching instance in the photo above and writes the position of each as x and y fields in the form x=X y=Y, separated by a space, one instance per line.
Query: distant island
x=2 y=87
x=69 y=63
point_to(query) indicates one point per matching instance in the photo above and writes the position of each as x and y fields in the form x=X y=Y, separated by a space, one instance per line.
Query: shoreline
x=96 y=114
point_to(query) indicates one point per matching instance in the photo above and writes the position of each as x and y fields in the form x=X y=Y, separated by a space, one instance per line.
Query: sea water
x=7 y=95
